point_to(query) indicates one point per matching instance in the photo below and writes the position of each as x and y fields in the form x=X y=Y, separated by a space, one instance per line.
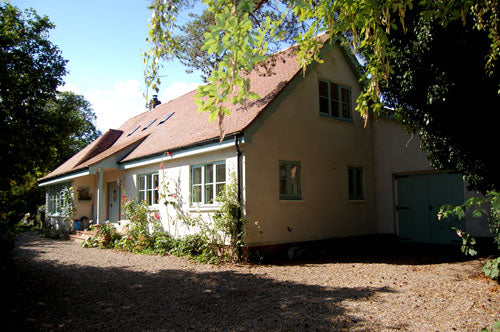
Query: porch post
x=100 y=197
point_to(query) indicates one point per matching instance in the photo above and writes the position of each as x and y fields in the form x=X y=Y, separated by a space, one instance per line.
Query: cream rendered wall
x=176 y=177
x=294 y=131
x=396 y=151
x=84 y=208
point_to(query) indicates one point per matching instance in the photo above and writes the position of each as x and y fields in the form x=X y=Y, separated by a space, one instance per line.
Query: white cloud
x=176 y=89
x=68 y=87
x=115 y=106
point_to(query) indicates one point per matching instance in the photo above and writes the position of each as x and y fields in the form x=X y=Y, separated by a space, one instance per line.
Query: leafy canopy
x=39 y=127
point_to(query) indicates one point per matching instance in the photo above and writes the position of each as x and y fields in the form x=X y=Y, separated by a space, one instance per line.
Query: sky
x=102 y=41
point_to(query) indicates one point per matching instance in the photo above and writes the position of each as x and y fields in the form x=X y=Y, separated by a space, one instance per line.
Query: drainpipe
x=238 y=185
x=100 y=198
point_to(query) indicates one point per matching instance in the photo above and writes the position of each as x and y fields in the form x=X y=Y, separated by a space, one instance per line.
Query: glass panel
x=142 y=183
x=346 y=111
x=197 y=175
x=148 y=196
x=345 y=96
x=335 y=109
x=283 y=190
x=209 y=194
x=220 y=172
x=156 y=196
x=323 y=105
x=283 y=171
x=141 y=196
x=149 y=183
x=219 y=188
x=334 y=91
x=196 y=194
x=209 y=173
x=323 y=89
x=156 y=181
x=293 y=172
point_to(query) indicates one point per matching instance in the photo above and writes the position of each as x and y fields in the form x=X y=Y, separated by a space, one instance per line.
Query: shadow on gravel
x=51 y=296
x=363 y=249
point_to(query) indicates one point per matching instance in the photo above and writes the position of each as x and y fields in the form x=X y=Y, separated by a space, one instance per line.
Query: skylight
x=165 y=118
x=149 y=124
x=133 y=130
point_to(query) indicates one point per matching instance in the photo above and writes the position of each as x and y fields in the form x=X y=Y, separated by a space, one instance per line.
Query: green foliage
x=48 y=230
x=492 y=268
x=39 y=128
x=494 y=328
x=104 y=236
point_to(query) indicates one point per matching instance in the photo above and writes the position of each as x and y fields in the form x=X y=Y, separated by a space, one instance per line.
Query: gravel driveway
x=61 y=286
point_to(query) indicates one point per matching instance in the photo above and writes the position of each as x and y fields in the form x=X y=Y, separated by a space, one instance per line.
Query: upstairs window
x=147 y=185
x=334 y=100
x=207 y=182
x=289 y=180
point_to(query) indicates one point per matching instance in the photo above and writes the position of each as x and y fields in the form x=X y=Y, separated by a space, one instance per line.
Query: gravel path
x=61 y=286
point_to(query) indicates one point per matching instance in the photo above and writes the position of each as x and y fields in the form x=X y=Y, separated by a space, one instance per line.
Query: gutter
x=238 y=184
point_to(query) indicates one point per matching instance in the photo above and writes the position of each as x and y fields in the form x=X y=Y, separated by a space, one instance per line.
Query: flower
x=161 y=166
x=459 y=233
x=157 y=216
x=169 y=153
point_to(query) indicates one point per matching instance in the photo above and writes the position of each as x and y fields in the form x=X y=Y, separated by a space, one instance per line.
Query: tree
x=372 y=29
x=39 y=128
x=440 y=91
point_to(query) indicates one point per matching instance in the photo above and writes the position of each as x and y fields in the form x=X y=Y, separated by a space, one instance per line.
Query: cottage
x=306 y=166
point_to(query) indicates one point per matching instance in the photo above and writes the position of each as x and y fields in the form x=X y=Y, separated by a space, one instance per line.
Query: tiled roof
x=185 y=127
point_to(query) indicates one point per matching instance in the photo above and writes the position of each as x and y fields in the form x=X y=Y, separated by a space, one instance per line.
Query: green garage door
x=419 y=198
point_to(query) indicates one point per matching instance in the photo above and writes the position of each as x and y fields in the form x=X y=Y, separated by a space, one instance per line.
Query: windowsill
x=285 y=200
x=328 y=117
x=357 y=200
x=204 y=208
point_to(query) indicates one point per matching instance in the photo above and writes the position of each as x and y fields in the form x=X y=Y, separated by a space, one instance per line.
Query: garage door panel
x=412 y=214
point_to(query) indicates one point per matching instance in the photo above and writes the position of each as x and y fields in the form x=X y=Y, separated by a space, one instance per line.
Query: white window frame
x=151 y=190
x=204 y=185
x=55 y=200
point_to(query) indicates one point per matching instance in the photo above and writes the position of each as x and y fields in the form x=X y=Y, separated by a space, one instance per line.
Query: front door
x=113 y=202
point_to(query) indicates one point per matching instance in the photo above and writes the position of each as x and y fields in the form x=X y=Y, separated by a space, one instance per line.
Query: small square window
x=207 y=182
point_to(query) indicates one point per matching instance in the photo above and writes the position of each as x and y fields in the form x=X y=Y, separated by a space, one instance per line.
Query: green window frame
x=207 y=182
x=147 y=188
x=55 y=199
x=356 y=187
x=334 y=100
x=289 y=180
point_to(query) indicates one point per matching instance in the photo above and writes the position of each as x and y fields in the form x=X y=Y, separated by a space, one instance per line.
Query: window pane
x=220 y=170
x=345 y=96
x=323 y=89
x=142 y=182
x=335 y=109
x=323 y=105
x=346 y=111
x=293 y=172
x=155 y=196
x=149 y=182
x=196 y=194
x=283 y=190
x=334 y=91
x=148 y=196
x=283 y=171
x=142 y=196
x=209 y=193
x=209 y=173
x=220 y=189
x=197 y=175
x=156 y=181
